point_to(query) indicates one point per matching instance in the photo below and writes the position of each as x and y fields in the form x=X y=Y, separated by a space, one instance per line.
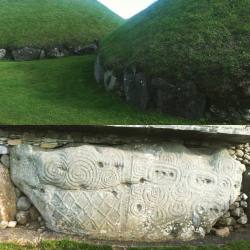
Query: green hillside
x=63 y=92
x=206 y=42
x=52 y=22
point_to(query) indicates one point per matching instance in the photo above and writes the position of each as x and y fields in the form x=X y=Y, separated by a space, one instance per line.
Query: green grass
x=71 y=245
x=203 y=41
x=63 y=91
x=54 y=22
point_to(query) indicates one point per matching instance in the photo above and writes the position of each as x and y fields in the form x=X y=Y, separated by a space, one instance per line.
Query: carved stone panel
x=135 y=193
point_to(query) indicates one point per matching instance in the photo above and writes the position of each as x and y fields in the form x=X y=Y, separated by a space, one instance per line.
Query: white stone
x=244 y=197
x=132 y=193
x=12 y=224
x=3 y=150
x=242 y=220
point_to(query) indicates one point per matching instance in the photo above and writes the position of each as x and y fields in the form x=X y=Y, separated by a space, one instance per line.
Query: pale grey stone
x=239 y=153
x=238 y=212
x=23 y=203
x=138 y=193
x=4 y=150
x=243 y=204
x=243 y=220
x=2 y=53
x=244 y=197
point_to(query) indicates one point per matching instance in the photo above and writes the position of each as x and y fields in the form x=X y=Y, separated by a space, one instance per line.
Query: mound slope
x=51 y=22
x=200 y=48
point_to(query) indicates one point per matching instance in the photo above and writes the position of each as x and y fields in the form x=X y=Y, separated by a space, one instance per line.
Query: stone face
x=4 y=150
x=26 y=54
x=7 y=196
x=5 y=160
x=135 y=193
x=57 y=52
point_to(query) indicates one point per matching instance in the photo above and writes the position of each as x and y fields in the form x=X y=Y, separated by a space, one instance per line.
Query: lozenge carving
x=134 y=193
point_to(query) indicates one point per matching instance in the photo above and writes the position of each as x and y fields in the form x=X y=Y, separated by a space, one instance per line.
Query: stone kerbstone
x=133 y=193
x=26 y=54
x=7 y=196
x=2 y=53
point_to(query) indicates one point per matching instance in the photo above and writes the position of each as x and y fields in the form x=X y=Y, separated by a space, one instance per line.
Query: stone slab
x=140 y=193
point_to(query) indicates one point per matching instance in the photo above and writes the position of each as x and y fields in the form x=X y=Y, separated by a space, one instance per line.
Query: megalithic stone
x=142 y=193
x=7 y=196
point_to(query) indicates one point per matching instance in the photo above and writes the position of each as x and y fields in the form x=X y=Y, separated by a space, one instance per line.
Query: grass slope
x=205 y=41
x=71 y=245
x=53 y=22
x=63 y=91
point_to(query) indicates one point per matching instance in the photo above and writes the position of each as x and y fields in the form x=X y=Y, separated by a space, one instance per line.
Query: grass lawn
x=63 y=92
x=54 y=22
x=70 y=245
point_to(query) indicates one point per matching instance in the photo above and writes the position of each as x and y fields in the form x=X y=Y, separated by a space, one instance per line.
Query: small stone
x=5 y=159
x=2 y=53
x=222 y=232
x=243 y=204
x=23 y=203
x=3 y=224
x=14 y=142
x=239 y=153
x=49 y=145
x=231 y=151
x=241 y=146
x=237 y=212
x=227 y=221
x=40 y=219
x=227 y=215
x=34 y=214
x=242 y=220
x=234 y=206
x=237 y=226
x=4 y=150
x=12 y=224
x=22 y=217
x=247 y=157
x=244 y=197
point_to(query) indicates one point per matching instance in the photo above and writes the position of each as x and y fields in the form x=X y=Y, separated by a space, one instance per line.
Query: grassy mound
x=205 y=42
x=52 y=22
x=63 y=91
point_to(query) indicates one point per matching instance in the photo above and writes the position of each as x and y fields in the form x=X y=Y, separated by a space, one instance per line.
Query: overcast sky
x=127 y=8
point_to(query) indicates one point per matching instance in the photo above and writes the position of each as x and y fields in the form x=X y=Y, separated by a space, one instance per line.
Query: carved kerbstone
x=138 y=193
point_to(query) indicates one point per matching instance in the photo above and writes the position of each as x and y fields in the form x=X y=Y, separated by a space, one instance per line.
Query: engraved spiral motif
x=54 y=170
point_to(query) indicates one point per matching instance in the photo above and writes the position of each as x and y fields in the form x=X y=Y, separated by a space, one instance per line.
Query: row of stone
x=158 y=94
x=29 y=53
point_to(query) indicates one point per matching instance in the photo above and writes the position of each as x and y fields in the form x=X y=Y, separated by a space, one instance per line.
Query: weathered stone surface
x=2 y=53
x=7 y=196
x=136 y=193
x=26 y=54
x=98 y=70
